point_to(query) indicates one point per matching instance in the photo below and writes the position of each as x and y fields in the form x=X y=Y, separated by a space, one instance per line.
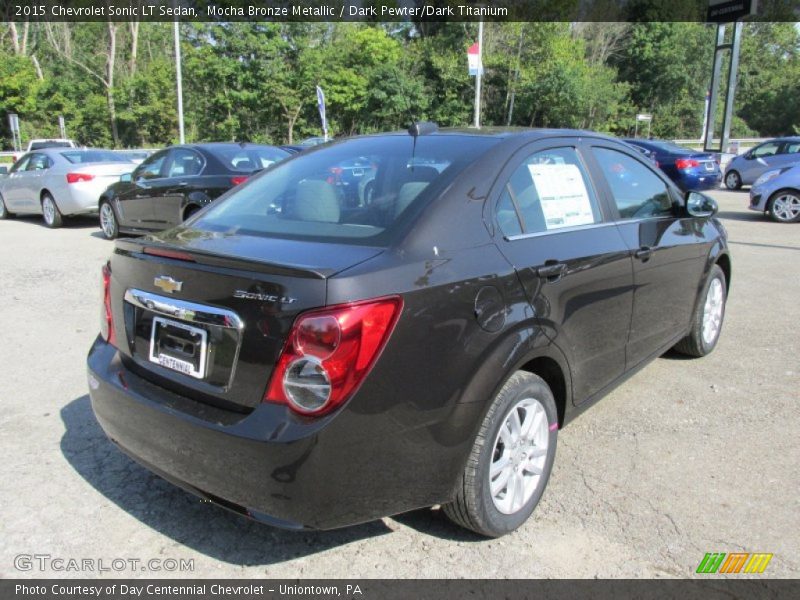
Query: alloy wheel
x=712 y=311
x=108 y=222
x=519 y=456
x=786 y=207
x=48 y=210
x=732 y=180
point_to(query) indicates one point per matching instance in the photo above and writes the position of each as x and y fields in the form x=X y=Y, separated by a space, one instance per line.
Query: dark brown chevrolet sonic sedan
x=313 y=358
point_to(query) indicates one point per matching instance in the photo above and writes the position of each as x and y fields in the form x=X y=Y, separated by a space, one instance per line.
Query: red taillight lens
x=239 y=179
x=77 y=177
x=106 y=318
x=329 y=353
x=686 y=163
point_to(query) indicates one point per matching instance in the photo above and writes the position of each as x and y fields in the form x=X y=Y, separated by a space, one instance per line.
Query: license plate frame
x=175 y=363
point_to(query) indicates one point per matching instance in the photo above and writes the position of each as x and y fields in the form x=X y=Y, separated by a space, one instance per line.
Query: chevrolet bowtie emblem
x=168 y=284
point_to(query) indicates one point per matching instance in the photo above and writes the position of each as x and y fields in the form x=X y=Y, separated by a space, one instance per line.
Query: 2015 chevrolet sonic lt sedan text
x=316 y=357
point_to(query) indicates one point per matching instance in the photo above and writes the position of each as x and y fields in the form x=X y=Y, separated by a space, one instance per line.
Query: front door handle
x=644 y=253
x=552 y=271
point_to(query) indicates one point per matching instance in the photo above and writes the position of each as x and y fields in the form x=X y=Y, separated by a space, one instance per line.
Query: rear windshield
x=49 y=144
x=247 y=159
x=353 y=191
x=93 y=156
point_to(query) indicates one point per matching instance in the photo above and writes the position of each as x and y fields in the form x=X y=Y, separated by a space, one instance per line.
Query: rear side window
x=550 y=190
x=638 y=192
x=355 y=191
x=792 y=148
x=247 y=159
x=92 y=156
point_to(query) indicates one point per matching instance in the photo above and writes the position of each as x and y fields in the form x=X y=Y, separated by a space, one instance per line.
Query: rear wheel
x=708 y=317
x=190 y=210
x=108 y=221
x=511 y=459
x=733 y=180
x=4 y=214
x=52 y=216
x=784 y=206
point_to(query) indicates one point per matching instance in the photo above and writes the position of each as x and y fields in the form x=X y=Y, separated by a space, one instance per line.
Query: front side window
x=354 y=191
x=151 y=168
x=21 y=164
x=550 y=190
x=637 y=191
x=768 y=149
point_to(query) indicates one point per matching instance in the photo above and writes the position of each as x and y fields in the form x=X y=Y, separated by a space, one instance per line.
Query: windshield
x=93 y=156
x=247 y=159
x=354 y=191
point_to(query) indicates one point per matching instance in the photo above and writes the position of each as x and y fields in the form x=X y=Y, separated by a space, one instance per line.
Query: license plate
x=709 y=166
x=179 y=347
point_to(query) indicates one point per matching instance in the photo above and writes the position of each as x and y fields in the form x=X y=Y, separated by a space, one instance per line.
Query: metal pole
x=731 y=91
x=179 y=77
x=711 y=113
x=477 y=122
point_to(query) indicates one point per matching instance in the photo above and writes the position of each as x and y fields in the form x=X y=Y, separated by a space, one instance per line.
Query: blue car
x=690 y=170
x=777 y=192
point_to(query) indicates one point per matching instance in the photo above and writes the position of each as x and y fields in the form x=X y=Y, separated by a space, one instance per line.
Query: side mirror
x=748 y=155
x=126 y=177
x=700 y=205
x=3 y=170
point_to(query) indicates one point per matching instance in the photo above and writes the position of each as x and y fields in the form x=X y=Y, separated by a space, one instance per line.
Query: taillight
x=686 y=163
x=329 y=352
x=76 y=177
x=239 y=179
x=106 y=318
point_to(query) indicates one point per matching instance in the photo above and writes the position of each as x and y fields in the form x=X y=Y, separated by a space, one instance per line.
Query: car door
x=182 y=177
x=762 y=158
x=14 y=182
x=30 y=182
x=570 y=258
x=134 y=200
x=666 y=248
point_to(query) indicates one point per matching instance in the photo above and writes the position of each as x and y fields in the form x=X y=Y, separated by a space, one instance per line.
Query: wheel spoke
x=499 y=484
x=499 y=465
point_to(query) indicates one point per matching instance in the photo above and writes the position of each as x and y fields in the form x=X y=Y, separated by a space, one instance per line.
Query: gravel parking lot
x=688 y=457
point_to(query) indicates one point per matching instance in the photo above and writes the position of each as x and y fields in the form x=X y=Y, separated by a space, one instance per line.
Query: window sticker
x=563 y=195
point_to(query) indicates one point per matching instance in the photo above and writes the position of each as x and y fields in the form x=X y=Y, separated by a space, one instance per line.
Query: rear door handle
x=552 y=271
x=644 y=253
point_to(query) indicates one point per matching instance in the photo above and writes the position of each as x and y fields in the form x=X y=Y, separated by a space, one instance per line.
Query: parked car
x=311 y=364
x=777 y=193
x=312 y=141
x=172 y=184
x=59 y=182
x=690 y=170
x=50 y=143
x=773 y=154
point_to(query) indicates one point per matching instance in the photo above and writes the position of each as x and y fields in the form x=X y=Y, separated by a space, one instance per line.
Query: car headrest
x=315 y=201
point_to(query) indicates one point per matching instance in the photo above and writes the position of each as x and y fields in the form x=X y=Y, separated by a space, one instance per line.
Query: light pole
x=179 y=77
x=477 y=122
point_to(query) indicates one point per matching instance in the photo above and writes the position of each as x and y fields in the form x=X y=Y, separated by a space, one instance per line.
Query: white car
x=59 y=182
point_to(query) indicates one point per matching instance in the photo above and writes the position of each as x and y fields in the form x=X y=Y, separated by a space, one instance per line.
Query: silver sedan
x=60 y=182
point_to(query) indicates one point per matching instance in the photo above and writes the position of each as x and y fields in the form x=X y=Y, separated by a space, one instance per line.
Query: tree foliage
x=115 y=83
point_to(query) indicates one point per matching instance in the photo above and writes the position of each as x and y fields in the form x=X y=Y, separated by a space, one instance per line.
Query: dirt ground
x=687 y=457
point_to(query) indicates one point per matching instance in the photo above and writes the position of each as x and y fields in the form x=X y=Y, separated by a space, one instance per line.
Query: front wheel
x=784 y=206
x=733 y=181
x=108 y=221
x=511 y=459
x=52 y=216
x=708 y=317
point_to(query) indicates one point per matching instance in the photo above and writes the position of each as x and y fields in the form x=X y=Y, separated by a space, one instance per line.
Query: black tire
x=473 y=506
x=190 y=210
x=4 y=214
x=733 y=181
x=53 y=219
x=784 y=216
x=109 y=224
x=695 y=344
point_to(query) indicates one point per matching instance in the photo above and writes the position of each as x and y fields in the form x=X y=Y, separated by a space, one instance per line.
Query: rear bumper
x=269 y=464
x=700 y=182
